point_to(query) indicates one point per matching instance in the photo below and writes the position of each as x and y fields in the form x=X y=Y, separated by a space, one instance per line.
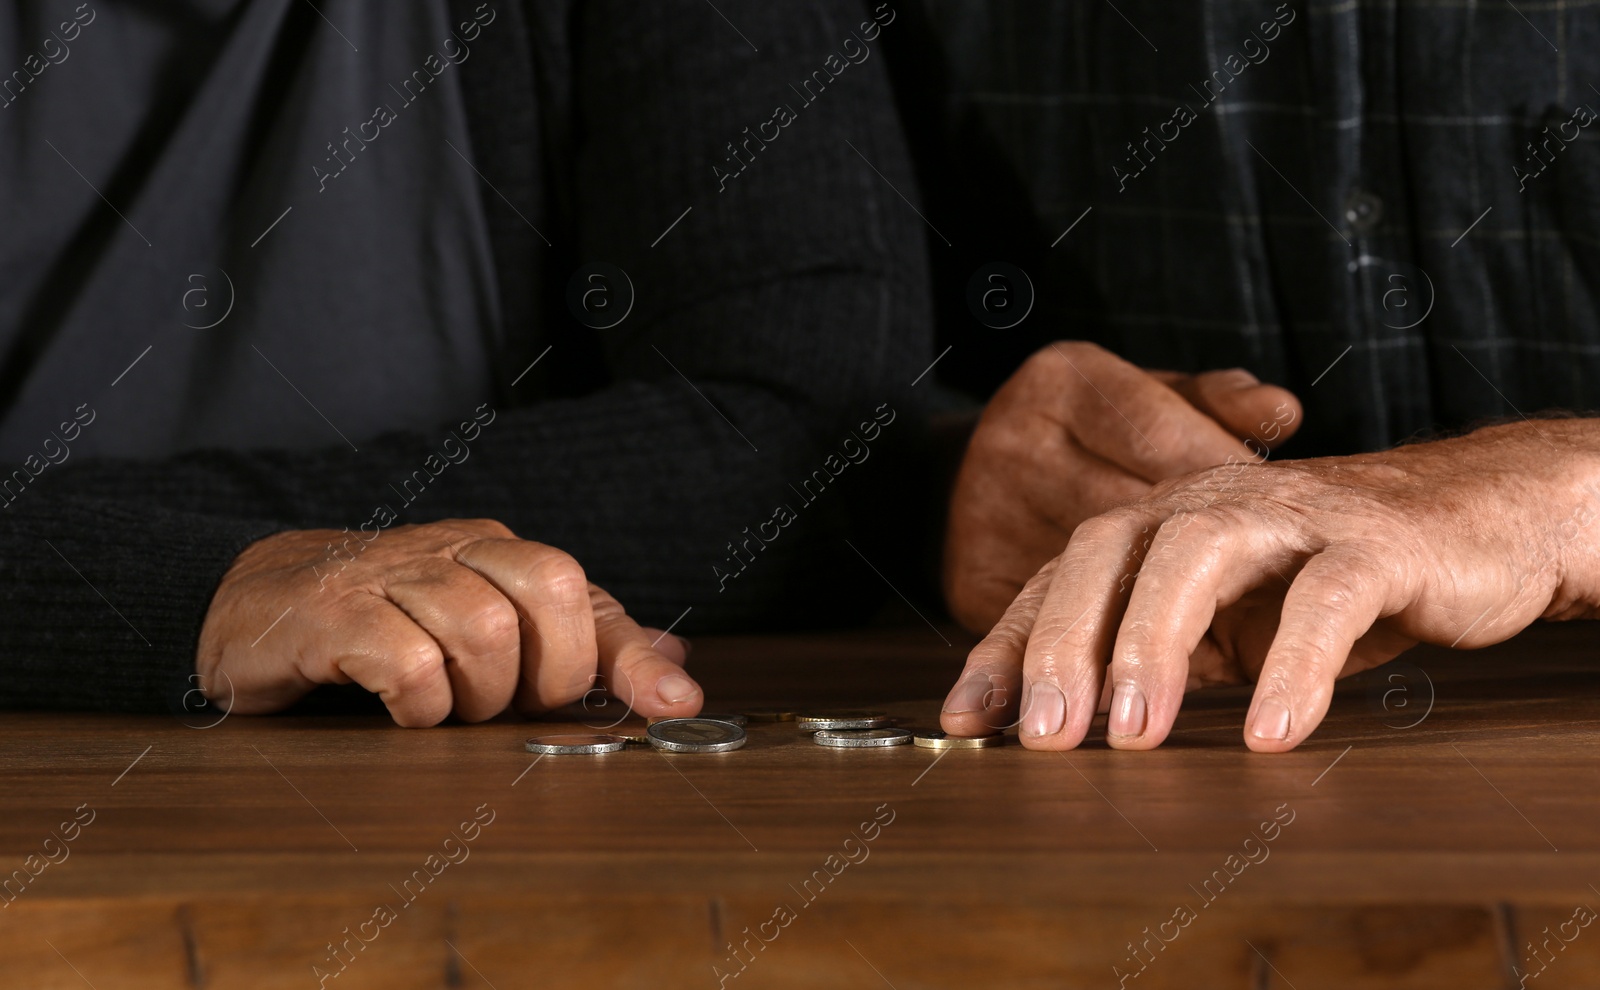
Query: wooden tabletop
x=1442 y=819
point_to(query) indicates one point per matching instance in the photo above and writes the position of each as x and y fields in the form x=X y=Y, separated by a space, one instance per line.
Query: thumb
x=674 y=648
x=1250 y=410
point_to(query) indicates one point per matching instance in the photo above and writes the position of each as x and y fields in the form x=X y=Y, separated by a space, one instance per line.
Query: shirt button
x=1362 y=211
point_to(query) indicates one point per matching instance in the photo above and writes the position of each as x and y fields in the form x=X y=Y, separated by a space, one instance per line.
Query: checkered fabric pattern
x=1391 y=208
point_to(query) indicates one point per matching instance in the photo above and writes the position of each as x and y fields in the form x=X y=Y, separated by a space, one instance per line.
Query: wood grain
x=1429 y=844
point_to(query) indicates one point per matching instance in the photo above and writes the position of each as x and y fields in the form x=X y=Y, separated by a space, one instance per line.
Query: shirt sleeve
x=743 y=464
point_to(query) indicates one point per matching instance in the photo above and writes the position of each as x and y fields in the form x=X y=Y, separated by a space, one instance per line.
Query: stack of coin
x=842 y=719
x=861 y=738
x=576 y=744
x=695 y=735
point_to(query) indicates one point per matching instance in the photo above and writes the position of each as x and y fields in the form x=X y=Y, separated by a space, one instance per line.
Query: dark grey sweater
x=763 y=371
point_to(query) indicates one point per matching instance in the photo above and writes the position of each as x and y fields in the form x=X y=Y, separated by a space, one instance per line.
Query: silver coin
x=695 y=735
x=713 y=716
x=576 y=743
x=861 y=738
x=842 y=719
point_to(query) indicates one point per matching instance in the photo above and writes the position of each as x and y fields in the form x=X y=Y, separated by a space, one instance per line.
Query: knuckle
x=481 y=528
x=1164 y=431
x=559 y=576
x=1042 y=578
x=1336 y=592
x=607 y=611
x=1045 y=364
x=493 y=629
x=1108 y=527
x=1175 y=485
x=1039 y=363
x=417 y=669
x=492 y=528
x=1207 y=526
x=1279 y=683
x=1007 y=636
x=1006 y=432
x=434 y=569
x=1074 y=349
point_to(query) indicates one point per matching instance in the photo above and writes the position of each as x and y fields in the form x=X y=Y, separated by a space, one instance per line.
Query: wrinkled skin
x=455 y=617
x=1290 y=575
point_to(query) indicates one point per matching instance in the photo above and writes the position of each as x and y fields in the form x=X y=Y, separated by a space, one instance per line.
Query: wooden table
x=1440 y=820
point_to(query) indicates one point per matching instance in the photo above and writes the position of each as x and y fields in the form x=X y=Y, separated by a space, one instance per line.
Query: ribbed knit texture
x=795 y=302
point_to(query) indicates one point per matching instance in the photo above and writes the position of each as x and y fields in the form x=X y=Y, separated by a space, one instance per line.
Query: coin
x=861 y=738
x=576 y=743
x=940 y=740
x=770 y=714
x=695 y=735
x=637 y=740
x=713 y=716
x=842 y=719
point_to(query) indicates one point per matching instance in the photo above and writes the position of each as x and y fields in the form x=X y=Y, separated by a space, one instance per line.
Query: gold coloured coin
x=941 y=740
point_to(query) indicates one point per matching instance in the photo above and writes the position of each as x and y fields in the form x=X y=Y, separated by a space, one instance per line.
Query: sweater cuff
x=104 y=602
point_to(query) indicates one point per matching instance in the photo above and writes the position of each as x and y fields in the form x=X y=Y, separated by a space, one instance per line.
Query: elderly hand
x=1074 y=431
x=1291 y=575
x=456 y=616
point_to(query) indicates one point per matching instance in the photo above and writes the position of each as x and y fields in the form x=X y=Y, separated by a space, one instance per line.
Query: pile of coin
x=719 y=732
x=670 y=735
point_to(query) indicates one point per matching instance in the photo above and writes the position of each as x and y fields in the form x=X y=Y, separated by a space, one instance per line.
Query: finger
x=379 y=647
x=1197 y=563
x=632 y=669
x=1246 y=408
x=474 y=624
x=1071 y=639
x=674 y=648
x=551 y=592
x=1023 y=532
x=1332 y=602
x=253 y=676
x=988 y=694
x=1130 y=418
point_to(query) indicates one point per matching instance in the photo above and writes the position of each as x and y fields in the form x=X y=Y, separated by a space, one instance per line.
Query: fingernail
x=688 y=647
x=1127 y=711
x=1243 y=375
x=967 y=696
x=1047 y=710
x=675 y=689
x=1272 y=722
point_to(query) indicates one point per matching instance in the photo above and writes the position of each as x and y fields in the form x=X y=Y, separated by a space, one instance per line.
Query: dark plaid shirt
x=1391 y=208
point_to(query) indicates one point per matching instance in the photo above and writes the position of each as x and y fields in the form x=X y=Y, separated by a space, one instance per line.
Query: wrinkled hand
x=1291 y=575
x=1073 y=432
x=456 y=616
